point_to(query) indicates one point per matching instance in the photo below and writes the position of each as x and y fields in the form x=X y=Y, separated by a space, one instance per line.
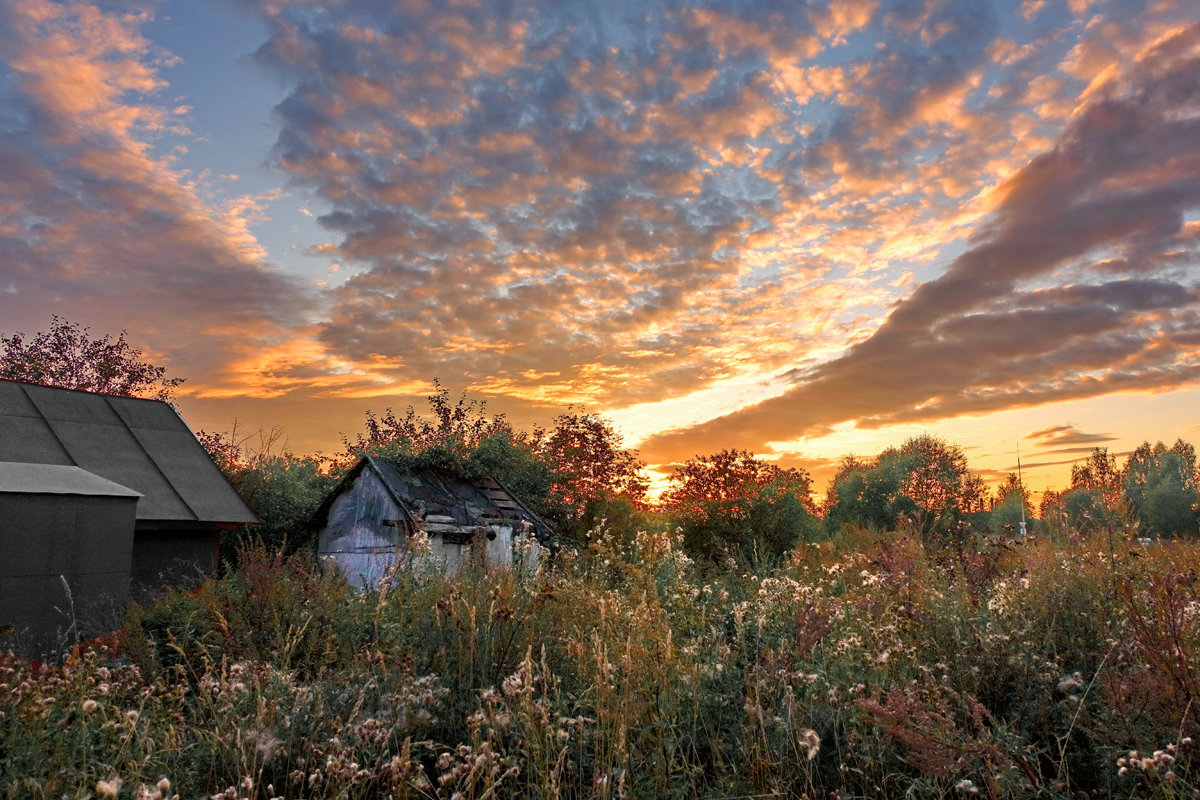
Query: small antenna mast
x=1021 y=484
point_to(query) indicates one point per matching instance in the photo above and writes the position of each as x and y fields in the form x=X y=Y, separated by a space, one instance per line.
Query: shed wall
x=179 y=557
x=354 y=536
x=45 y=540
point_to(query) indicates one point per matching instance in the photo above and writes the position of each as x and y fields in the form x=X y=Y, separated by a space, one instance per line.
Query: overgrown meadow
x=872 y=665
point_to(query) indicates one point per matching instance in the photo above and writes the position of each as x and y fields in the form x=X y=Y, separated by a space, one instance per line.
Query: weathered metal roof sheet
x=22 y=478
x=429 y=493
x=140 y=444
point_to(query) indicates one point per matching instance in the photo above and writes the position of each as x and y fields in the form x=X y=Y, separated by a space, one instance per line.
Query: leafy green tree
x=925 y=481
x=1093 y=502
x=570 y=476
x=1010 y=507
x=67 y=356
x=1098 y=474
x=282 y=489
x=1087 y=511
x=869 y=493
x=1160 y=488
x=731 y=503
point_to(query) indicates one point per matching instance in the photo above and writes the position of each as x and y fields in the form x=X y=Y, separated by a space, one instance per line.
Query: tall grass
x=872 y=666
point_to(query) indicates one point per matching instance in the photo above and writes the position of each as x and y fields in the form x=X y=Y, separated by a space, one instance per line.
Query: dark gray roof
x=141 y=444
x=429 y=492
x=19 y=478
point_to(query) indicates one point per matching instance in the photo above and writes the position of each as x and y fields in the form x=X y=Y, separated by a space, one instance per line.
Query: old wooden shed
x=368 y=521
x=143 y=446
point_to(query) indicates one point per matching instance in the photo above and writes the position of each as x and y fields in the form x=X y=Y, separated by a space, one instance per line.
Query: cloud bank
x=1034 y=311
x=889 y=211
x=95 y=223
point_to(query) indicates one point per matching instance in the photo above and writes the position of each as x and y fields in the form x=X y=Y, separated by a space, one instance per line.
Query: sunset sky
x=804 y=230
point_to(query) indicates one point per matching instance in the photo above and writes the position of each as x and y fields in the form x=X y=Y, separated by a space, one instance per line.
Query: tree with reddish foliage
x=68 y=357
x=590 y=466
x=733 y=504
x=937 y=477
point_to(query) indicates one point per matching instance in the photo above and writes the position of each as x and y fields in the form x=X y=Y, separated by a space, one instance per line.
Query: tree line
x=577 y=472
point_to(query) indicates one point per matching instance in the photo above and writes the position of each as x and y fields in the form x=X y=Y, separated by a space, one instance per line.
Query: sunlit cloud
x=991 y=332
x=787 y=228
x=99 y=225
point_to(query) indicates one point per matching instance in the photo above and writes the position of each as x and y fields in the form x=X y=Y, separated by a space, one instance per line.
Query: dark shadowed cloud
x=1058 y=436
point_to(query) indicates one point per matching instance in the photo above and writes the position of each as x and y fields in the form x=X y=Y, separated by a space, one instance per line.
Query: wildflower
x=1123 y=771
x=967 y=787
x=812 y=743
x=1070 y=683
x=266 y=746
x=109 y=788
x=131 y=715
x=90 y=705
x=164 y=786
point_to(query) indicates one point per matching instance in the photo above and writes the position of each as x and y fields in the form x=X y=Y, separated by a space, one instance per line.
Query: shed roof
x=439 y=494
x=21 y=478
x=140 y=444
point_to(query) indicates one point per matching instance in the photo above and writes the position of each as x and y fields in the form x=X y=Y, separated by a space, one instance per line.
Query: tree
x=447 y=438
x=936 y=475
x=281 y=488
x=568 y=476
x=925 y=480
x=1160 y=489
x=1099 y=475
x=867 y=492
x=1011 y=506
x=590 y=466
x=1093 y=501
x=731 y=503
x=67 y=356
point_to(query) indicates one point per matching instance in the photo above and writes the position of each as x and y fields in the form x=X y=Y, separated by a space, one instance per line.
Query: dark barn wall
x=46 y=539
x=182 y=558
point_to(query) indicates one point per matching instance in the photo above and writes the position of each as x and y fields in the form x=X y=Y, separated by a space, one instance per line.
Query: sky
x=800 y=229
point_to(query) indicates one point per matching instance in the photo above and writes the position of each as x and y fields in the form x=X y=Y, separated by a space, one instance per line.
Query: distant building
x=367 y=523
x=110 y=486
